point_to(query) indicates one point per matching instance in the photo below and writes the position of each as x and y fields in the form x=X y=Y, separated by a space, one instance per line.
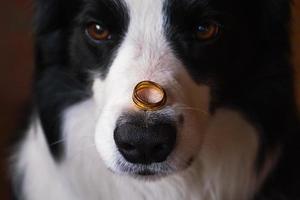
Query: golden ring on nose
x=142 y=103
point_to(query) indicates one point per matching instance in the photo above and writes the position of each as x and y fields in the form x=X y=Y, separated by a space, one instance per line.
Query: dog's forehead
x=159 y=10
x=186 y=2
x=142 y=5
x=156 y=3
x=134 y=3
x=166 y=7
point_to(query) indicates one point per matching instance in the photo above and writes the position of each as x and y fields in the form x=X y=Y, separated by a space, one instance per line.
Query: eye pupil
x=202 y=29
x=98 y=32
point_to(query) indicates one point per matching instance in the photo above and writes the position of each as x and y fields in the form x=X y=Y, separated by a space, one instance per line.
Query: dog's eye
x=98 y=32
x=207 y=31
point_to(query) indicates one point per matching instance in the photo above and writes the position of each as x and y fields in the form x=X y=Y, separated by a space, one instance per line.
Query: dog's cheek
x=104 y=139
x=229 y=154
x=98 y=92
x=108 y=111
x=194 y=109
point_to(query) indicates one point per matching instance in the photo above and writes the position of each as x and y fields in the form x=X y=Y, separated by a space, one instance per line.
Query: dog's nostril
x=160 y=147
x=127 y=146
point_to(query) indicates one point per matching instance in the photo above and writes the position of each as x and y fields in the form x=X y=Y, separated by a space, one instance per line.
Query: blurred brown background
x=16 y=67
x=15 y=71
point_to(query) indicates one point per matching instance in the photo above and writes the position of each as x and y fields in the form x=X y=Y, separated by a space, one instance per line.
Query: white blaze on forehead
x=144 y=52
x=146 y=18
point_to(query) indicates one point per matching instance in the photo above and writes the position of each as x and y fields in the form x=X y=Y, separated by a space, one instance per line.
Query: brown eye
x=97 y=32
x=207 y=31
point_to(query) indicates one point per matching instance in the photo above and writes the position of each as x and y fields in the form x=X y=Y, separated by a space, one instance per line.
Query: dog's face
x=196 y=50
x=177 y=44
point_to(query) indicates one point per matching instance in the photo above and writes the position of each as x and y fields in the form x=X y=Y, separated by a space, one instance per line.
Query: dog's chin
x=150 y=172
x=148 y=175
x=144 y=173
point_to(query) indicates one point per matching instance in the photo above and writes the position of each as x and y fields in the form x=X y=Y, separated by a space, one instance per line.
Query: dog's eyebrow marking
x=110 y=12
x=117 y=7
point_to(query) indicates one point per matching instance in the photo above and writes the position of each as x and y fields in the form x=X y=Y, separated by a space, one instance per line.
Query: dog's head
x=201 y=52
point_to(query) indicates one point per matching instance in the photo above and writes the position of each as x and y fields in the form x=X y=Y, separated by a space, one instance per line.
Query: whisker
x=65 y=139
x=57 y=142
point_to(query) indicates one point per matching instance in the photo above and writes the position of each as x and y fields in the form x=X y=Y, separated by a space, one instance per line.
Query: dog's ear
x=275 y=30
x=277 y=17
x=53 y=19
x=276 y=13
x=51 y=15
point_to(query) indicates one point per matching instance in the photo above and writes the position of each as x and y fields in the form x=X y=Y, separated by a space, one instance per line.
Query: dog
x=228 y=128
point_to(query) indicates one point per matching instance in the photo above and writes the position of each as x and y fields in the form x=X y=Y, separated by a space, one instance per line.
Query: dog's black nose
x=145 y=142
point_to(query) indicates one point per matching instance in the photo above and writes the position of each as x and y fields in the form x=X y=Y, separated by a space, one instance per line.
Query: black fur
x=65 y=57
x=248 y=67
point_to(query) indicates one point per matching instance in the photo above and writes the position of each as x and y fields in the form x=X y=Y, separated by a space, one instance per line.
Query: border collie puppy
x=229 y=129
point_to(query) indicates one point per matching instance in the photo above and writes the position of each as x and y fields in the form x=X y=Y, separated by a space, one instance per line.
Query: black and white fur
x=232 y=100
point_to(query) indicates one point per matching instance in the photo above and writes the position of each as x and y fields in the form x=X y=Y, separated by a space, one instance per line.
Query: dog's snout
x=145 y=142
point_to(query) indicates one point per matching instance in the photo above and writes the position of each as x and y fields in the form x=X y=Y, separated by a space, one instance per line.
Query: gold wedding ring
x=142 y=103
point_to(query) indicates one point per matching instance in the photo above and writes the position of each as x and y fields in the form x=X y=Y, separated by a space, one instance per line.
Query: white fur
x=41 y=177
x=223 y=170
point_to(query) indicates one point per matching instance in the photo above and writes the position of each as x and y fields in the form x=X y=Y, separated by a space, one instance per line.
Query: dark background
x=16 y=67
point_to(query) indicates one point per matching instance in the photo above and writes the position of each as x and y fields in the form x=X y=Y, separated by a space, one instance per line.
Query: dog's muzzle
x=147 y=135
